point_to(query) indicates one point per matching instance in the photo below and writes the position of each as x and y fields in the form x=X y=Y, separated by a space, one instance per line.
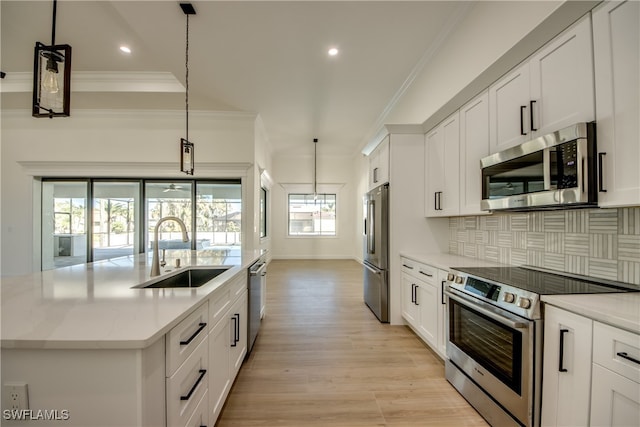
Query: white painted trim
x=132 y=169
x=97 y=81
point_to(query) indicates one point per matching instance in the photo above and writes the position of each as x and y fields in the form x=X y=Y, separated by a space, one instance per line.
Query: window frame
x=312 y=236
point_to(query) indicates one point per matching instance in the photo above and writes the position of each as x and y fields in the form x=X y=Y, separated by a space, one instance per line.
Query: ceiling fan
x=172 y=187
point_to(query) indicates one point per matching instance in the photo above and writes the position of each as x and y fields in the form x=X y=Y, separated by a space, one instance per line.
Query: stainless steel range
x=494 y=338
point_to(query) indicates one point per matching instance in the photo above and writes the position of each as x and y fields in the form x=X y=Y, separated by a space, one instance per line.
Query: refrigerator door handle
x=371 y=269
x=371 y=243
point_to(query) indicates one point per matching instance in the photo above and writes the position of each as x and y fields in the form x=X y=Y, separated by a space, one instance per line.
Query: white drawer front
x=421 y=271
x=185 y=337
x=186 y=388
x=617 y=350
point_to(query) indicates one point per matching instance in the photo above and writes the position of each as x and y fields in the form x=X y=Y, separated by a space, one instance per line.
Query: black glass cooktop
x=545 y=283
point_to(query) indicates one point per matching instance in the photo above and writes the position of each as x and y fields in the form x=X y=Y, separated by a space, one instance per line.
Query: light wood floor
x=323 y=359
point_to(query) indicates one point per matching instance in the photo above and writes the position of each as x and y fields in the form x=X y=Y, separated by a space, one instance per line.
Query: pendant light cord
x=53 y=25
x=186 y=65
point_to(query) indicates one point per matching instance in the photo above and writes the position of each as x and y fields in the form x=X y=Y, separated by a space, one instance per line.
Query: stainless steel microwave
x=554 y=171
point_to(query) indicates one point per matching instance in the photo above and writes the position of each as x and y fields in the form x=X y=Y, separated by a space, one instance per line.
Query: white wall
x=110 y=144
x=332 y=169
x=487 y=31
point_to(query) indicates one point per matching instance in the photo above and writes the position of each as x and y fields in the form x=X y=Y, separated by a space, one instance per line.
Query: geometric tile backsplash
x=602 y=243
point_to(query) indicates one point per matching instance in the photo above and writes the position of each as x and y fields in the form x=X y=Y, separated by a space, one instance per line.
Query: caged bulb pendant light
x=51 y=76
x=187 y=158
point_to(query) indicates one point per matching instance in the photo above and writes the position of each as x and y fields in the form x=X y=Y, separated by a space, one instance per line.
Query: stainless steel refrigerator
x=376 y=251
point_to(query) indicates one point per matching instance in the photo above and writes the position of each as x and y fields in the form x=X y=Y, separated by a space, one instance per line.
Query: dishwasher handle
x=258 y=269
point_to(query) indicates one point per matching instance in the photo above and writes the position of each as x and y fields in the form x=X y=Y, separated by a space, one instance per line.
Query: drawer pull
x=624 y=355
x=188 y=396
x=426 y=274
x=201 y=326
x=407 y=266
x=561 y=367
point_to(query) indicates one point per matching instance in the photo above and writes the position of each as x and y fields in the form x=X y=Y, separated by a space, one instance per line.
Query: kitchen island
x=95 y=350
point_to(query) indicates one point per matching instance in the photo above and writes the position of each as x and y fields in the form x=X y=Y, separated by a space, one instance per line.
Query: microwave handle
x=546 y=165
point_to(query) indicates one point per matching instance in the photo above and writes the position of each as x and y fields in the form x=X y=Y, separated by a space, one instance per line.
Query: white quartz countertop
x=94 y=305
x=621 y=310
x=446 y=261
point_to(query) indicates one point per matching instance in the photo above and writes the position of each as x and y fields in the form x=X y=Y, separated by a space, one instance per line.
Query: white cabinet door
x=615 y=400
x=509 y=102
x=442 y=159
x=409 y=308
x=238 y=334
x=562 y=91
x=427 y=302
x=474 y=145
x=616 y=32
x=379 y=164
x=443 y=314
x=566 y=378
x=219 y=374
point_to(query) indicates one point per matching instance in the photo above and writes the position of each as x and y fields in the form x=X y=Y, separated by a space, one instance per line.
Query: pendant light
x=186 y=148
x=51 y=76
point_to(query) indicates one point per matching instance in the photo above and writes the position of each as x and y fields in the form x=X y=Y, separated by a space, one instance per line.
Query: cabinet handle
x=188 y=395
x=413 y=293
x=522 y=108
x=624 y=355
x=237 y=337
x=439 y=200
x=435 y=201
x=601 y=188
x=375 y=175
x=416 y=299
x=407 y=266
x=442 y=301
x=201 y=326
x=426 y=274
x=235 y=330
x=561 y=367
x=531 y=114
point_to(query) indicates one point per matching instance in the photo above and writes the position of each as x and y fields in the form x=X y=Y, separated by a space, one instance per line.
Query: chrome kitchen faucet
x=155 y=265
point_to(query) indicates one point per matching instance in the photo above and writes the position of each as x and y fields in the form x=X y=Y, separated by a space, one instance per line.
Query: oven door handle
x=498 y=317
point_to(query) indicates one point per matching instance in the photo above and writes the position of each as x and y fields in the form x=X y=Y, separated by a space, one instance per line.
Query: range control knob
x=508 y=297
x=450 y=277
x=459 y=280
x=524 y=303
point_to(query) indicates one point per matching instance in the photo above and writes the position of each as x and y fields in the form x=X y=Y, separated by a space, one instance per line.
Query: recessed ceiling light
x=333 y=51
x=125 y=49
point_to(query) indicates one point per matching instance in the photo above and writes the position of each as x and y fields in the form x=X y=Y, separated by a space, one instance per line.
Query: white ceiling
x=263 y=57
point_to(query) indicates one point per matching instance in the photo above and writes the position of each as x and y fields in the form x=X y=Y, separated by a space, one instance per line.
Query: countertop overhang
x=95 y=305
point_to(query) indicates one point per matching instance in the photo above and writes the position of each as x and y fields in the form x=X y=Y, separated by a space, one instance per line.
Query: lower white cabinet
x=591 y=373
x=227 y=342
x=567 y=368
x=615 y=391
x=422 y=307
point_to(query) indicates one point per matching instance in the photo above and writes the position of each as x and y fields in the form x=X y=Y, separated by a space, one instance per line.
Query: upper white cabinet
x=551 y=90
x=474 y=145
x=616 y=33
x=442 y=159
x=379 y=164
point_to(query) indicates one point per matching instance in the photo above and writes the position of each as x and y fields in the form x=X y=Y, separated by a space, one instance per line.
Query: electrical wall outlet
x=15 y=396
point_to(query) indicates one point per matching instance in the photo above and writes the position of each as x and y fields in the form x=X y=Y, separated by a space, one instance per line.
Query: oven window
x=496 y=347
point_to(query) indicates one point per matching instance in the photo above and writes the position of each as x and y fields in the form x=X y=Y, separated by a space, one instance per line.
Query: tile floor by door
x=323 y=359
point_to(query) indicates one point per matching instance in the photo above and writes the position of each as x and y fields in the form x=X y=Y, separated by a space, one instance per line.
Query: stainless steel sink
x=192 y=278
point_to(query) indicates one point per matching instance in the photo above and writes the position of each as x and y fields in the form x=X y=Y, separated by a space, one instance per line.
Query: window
x=218 y=215
x=86 y=220
x=263 y=212
x=312 y=215
x=64 y=223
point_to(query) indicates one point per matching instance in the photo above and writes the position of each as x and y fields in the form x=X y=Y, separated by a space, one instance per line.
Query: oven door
x=495 y=349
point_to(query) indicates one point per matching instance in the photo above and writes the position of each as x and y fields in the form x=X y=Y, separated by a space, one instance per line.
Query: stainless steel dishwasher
x=257 y=281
